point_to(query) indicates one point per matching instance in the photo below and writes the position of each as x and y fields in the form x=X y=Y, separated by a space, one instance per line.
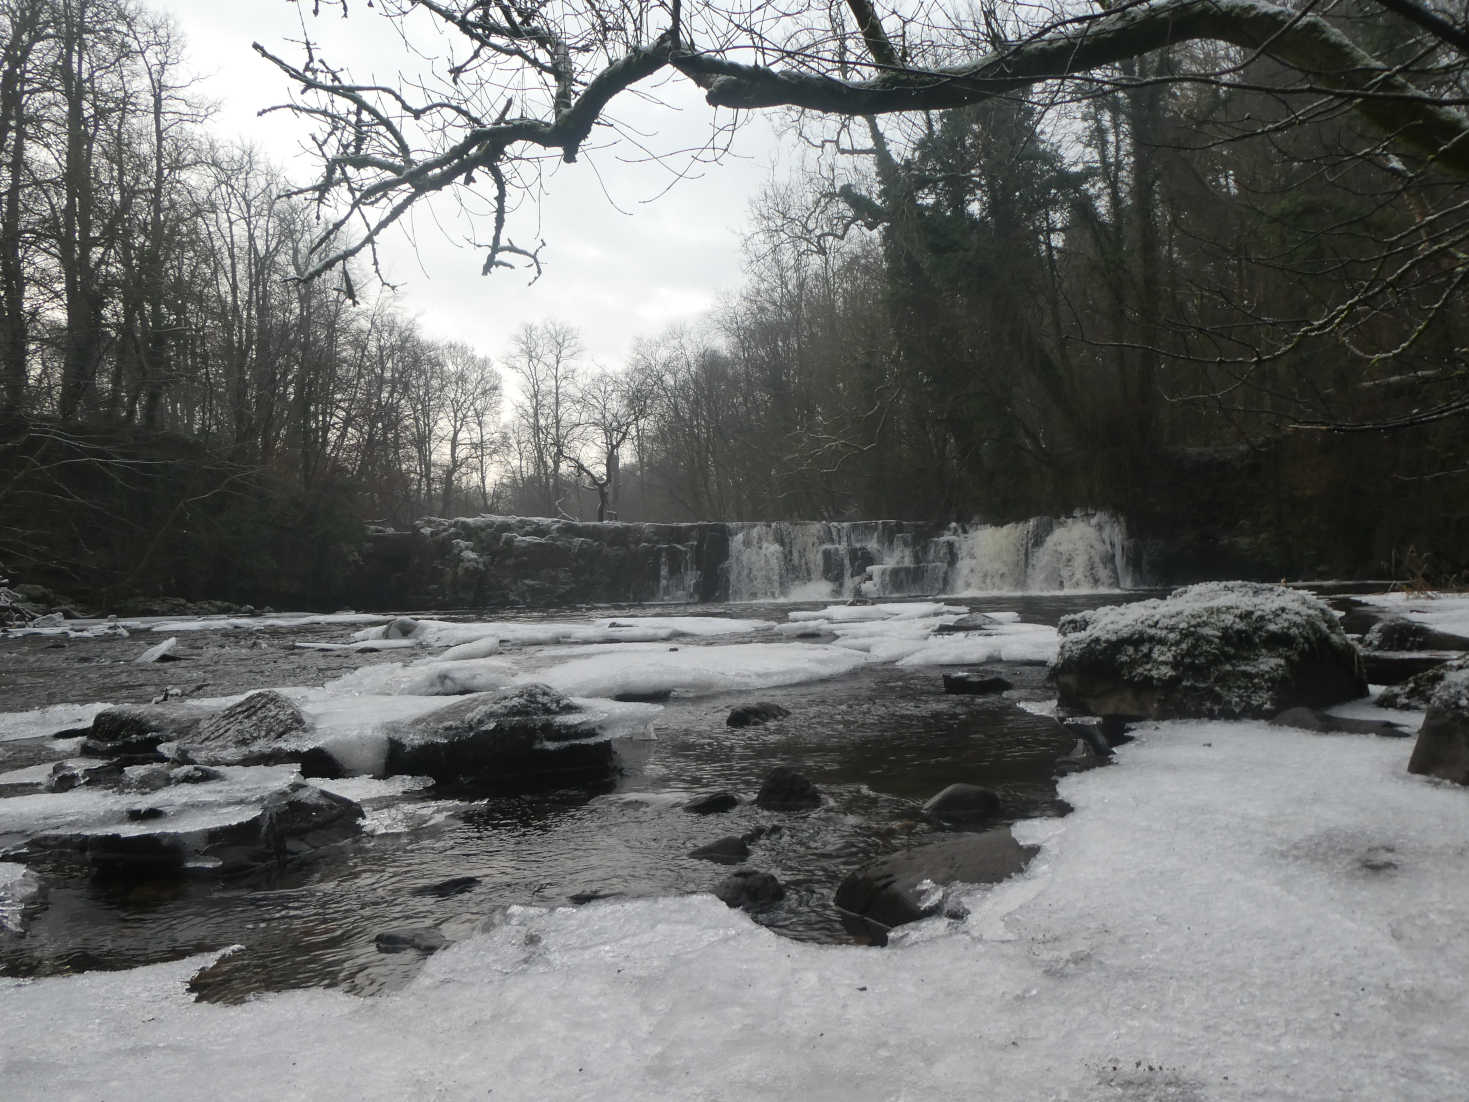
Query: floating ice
x=256 y=623
x=426 y=679
x=472 y=640
x=1440 y=612
x=18 y=887
x=158 y=651
x=1029 y=643
x=41 y=722
x=912 y=610
x=697 y=671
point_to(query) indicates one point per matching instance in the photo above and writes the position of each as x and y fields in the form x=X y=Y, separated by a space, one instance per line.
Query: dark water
x=878 y=743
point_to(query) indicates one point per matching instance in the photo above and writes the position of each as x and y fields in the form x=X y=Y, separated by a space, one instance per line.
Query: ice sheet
x=1234 y=912
x=47 y=721
x=532 y=633
x=426 y=678
x=1441 y=612
x=909 y=610
x=698 y=671
x=1033 y=643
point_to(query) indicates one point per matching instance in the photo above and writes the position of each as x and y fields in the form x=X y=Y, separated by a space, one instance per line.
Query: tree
x=609 y=410
x=546 y=361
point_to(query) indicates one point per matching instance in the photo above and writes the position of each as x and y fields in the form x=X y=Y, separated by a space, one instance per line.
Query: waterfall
x=817 y=560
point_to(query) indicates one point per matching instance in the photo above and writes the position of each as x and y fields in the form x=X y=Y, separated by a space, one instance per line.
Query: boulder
x=263 y=728
x=1313 y=719
x=144 y=725
x=755 y=715
x=730 y=850
x=750 y=889
x=1395 y=667
x=974 y=684
x=518 y=740
x=907 y=885
x=786 y=790
x=962 y=804
x=1398 y=633
x=1442 y=749
x=1416 y=693
x=712 y=804
x=1214 y=650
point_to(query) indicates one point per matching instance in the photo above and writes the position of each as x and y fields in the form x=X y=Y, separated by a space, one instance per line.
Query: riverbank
x=1234 y=911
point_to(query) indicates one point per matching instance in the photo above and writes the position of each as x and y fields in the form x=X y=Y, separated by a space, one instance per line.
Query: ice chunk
x=426 y=678
x=910 y=610
x=41 y=722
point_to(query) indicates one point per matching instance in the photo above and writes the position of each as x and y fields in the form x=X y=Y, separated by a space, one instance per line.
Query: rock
x=786 y=790
x=962 y=803
x=974 y=684
x=1398 y=633
x=261 y=729
x=755 y=715
x=712 y=804
x=1394 y=667
x=1079 y=759
x=1214 y=650
x=145 y=723
x=1415 y=693
x=906 y=886
x=725 y=851
x=653 y=696
x=1442 y=749
x=144 y=814
x=1094 y=735
x=975 y=621
x=519 y=740
x=1312 y=719
x=149 y=780
x=420 y=939
x=750 y=889
x=444 y=889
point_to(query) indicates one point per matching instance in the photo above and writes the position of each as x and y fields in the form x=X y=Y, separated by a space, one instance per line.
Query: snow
x=698 y=671
x=1441 y=612
x=1234 y=912
x=41 y=722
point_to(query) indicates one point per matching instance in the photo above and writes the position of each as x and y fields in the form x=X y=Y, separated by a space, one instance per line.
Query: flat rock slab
x=906 y=886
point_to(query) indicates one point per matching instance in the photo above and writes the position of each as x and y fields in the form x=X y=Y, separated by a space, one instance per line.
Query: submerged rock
x=1215 y=650
x=420 y=939
x=974 y=684
x=712 y=804
x=444 y=889
x=908 y=885
x=1442 y=749
x=750 y=889
x=723 y=851
x=755 y=715
x=786 y=790
x=961 y=804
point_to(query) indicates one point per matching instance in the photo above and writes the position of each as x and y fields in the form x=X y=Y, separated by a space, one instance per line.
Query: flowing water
x=878 y=743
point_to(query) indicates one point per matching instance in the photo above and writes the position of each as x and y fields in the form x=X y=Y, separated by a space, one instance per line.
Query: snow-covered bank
x=1235 y=912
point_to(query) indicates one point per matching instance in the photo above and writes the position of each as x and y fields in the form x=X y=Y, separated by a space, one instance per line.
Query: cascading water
x=817 y=560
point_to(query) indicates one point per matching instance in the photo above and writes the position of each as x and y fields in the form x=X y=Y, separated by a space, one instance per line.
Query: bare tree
x=610 y=407
x=545 y=360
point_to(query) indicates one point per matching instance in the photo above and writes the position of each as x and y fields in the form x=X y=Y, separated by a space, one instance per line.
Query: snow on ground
x=1447 y=612
x=698 y=671
x=1234 y=912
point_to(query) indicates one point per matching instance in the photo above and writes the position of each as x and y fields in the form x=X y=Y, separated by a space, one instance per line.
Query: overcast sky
x=614 y=275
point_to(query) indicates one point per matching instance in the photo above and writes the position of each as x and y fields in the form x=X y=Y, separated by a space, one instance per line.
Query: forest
x=1209 y=277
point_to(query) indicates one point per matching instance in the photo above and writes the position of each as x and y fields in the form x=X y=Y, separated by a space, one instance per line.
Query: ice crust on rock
x=1237 y=913
x=1216 y=649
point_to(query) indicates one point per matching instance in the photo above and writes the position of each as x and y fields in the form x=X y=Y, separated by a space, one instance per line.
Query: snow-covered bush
x=1218 y=649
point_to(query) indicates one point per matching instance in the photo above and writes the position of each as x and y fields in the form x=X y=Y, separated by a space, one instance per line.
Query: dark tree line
x=150 y=290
